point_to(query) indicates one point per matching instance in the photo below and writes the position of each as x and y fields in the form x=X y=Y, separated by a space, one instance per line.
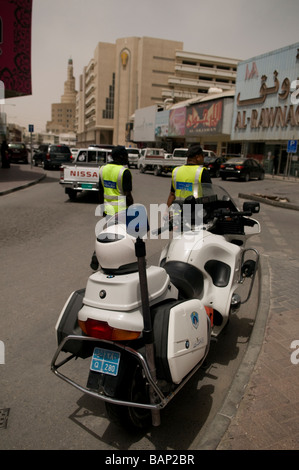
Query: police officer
x=115 y=187
x=186 y=179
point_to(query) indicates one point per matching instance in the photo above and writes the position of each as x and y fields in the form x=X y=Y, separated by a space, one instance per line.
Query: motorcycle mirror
x=253 y=207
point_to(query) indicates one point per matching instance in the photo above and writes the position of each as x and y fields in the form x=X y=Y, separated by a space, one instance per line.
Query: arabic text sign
x=264 y=107
x=205 y=118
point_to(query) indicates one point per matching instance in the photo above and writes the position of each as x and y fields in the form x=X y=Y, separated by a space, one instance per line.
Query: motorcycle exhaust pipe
x=140 y=252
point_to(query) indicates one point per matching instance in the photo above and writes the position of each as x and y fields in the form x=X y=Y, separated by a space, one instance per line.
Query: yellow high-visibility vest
x=186 y=180
x=112 y=180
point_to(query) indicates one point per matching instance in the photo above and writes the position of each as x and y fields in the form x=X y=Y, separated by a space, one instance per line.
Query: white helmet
x=115 y=250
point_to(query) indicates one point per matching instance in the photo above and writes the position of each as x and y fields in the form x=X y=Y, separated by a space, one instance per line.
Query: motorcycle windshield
x=210 y=193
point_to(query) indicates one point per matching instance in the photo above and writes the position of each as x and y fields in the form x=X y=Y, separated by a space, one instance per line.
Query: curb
x=285 y=205
x=228 y=411
x=17 y=188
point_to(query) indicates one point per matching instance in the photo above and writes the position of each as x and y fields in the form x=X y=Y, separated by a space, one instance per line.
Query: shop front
x=205 y=120
x=266 y=109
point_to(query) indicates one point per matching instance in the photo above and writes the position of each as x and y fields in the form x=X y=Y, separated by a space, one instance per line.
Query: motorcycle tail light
x=101 y=330
x=210 y=313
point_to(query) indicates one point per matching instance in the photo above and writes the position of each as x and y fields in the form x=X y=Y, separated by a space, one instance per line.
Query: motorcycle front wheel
x=135 y=389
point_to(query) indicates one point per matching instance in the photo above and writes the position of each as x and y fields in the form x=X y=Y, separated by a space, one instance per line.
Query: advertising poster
x=15 y=47
x=177 y=120
x=205 y=118
x=162 y=121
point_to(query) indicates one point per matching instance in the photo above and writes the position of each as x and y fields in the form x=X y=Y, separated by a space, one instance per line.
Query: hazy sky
x=62 y=29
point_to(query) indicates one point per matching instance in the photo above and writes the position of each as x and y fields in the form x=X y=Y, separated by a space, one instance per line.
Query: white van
x=133 y=156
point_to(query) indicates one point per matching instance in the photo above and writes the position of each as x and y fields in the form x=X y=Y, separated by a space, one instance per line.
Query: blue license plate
x=105 y=361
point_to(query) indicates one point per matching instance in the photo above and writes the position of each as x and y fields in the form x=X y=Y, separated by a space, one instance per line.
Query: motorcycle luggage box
x=182 y=337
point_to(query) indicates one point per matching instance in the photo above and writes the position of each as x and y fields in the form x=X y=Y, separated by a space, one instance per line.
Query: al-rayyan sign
x=263 y=107
x=15 y=47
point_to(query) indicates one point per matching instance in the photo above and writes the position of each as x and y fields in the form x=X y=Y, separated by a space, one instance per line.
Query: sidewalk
x=261 y=410
x=18 y=177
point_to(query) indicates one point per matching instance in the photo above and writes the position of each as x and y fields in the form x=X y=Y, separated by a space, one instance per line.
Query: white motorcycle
x=146 y=330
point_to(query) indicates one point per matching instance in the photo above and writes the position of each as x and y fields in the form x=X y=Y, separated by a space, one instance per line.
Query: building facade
x=195 y=74
x=135 y=73
x=63 y=114
x=266 y=107
x=259 y=119
x=120 y=78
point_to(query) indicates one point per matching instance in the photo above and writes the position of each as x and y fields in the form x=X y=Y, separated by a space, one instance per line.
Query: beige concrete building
x=63 y=114
x=136 y=73
x=120 y=78
x=195 y=74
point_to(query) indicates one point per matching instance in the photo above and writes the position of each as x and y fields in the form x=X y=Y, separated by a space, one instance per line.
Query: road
x=46 y=245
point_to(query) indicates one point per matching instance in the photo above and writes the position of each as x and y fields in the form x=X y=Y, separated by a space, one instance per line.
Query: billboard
x=144 y=124
x=263 y=107
x=204 y=118
x=162 y=123
x=177 y=121
x=15 y=47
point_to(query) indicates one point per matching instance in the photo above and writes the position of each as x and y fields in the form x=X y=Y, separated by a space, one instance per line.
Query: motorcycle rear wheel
x=134 y=389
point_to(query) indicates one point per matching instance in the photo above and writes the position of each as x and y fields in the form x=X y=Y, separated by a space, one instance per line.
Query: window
x=108 y=112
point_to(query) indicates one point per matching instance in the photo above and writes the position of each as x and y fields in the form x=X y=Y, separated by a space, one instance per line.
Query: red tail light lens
x=101 y=330
x=210 y=313
x=239 y=167
x=222 y=166
x=48 y=156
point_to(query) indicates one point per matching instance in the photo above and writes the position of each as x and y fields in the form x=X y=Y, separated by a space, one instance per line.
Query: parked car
x=52 y=156
x=18 y=152
x=74 y=152
x=213 y=165
x=242 y=168
x=209 y=153
x=133 y=156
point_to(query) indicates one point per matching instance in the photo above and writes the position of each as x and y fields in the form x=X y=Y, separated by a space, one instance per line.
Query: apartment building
x=138 y=72
x=195 y=74
x=120 y=78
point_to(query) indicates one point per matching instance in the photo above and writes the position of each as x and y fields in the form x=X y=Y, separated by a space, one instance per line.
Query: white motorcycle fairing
x=218 y=268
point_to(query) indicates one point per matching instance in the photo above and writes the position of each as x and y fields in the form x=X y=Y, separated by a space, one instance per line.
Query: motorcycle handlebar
x=219 y=213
